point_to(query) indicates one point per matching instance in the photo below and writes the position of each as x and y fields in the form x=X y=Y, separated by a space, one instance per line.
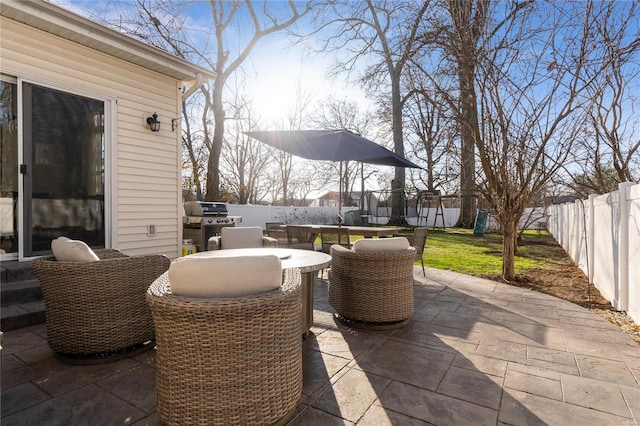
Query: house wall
x=145 y=171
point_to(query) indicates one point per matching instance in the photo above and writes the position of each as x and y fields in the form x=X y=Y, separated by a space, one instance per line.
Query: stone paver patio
x=476 y=352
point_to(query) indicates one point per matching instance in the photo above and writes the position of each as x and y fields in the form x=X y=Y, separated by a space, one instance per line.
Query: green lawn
x=461 y=251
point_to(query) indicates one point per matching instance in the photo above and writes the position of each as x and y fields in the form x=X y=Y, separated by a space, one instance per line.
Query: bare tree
x=454 y=36
x=194 y=153
x=433 y=137
x=343 y=114
x=523 y=85
x=387 y=33
x=295 y=120
x=236 y=28
x=244 y=160
x=530 y=104
x=611 y=147
x=263 y=23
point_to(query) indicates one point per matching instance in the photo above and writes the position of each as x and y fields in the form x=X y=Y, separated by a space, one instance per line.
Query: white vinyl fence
x=258 y=215
x=602 y=236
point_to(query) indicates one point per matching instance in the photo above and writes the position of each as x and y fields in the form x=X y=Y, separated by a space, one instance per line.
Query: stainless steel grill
x=203 y=220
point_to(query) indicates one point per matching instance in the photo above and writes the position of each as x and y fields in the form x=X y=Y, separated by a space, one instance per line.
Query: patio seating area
x=474 y=352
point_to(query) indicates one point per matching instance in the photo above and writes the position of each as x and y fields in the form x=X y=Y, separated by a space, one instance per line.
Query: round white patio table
x=307 y=261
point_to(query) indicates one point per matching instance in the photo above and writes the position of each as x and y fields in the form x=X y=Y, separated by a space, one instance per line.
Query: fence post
x=590 y=237
x=578 y=230
x=622 y=290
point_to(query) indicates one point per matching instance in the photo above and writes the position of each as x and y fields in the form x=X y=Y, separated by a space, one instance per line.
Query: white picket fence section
x=602 y=236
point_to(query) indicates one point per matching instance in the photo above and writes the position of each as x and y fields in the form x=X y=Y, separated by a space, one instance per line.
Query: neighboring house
x=330 y=199
x=326 y=199
x=78 y=156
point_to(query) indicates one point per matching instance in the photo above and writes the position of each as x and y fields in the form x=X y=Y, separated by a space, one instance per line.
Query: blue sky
x=273 y=69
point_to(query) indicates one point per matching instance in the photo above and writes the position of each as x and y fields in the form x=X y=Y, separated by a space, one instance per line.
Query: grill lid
x=204 y=208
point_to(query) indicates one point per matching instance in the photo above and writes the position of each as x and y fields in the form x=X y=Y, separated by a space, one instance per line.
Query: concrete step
x=14 y=271
x=15 y=293
x=22 y=315
x=20 y=297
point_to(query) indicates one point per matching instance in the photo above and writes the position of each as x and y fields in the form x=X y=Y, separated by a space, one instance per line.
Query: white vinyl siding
x=145 y=172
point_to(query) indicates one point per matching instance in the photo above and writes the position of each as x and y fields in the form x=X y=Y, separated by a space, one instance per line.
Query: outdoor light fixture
x=153 y=123
x=174 y=124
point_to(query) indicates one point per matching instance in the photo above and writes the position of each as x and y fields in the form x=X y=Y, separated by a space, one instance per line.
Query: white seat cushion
x=246 y=237
x=204 y=275
x=66 y=250
x=381 y=244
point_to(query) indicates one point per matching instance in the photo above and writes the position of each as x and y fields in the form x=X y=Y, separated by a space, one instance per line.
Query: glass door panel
x=63 y=145
x=8 y=167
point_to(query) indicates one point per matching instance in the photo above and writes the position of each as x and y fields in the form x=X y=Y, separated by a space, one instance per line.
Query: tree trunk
x=509 y=236
x=213 y=165
x=469 y=18
x=469 y=126
x=398 y=184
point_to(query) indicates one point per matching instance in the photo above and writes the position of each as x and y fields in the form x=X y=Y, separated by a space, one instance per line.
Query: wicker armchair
x=372 y=289
x=243 y=237
x=96 y=311
x=224 y=361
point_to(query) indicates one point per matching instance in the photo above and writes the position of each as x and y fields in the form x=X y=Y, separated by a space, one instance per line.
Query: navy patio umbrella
x=331 y=145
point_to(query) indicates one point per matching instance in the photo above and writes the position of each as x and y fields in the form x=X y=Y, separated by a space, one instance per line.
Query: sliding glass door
x=62 y=168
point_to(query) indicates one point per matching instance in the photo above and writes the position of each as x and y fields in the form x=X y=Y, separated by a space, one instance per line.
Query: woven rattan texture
x=235 y=361
x=94 y=307
x=372 y=286
x=215 y=242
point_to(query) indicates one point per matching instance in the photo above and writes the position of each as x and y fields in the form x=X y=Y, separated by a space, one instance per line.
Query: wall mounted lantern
x=153 y=123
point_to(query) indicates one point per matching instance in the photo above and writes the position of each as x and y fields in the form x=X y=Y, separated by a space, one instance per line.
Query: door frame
x=110 y=114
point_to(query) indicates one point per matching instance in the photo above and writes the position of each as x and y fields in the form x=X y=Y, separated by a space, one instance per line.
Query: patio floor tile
x=481 y=363
x=532 y=311
x=419 y=366
x=312 y=416
x=605 y=370
x=524 y=409
x=318 y=369
x=89 y=405
x=74 y=376
x=596 y=394
x=632 y=397
x=352 y=395
x=501 y=349
x=434 y=407
x=137 y=386
x=472 y=386
x=346 y=344
x=19 y=397
x=533 y=384
x=593 y=334
x=476 y=352
x=528 y=334
x=378 y=416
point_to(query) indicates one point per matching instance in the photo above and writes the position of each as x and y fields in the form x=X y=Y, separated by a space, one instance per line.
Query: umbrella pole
x=340 y=198
x=361 y=187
